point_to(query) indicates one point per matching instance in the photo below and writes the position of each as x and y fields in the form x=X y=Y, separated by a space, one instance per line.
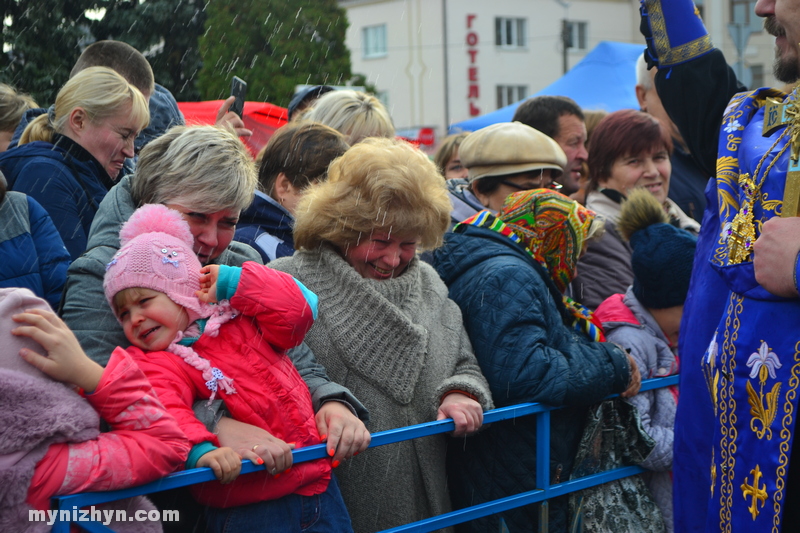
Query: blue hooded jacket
x=267 y=227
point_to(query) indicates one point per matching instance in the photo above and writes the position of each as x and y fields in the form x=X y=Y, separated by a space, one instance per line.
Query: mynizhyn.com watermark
x=105 y=516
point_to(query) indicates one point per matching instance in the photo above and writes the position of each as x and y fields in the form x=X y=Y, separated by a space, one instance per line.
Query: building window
x=576 y=35
x=510 y=94
x=374 y=39
x=757 y=72
x=510 y=33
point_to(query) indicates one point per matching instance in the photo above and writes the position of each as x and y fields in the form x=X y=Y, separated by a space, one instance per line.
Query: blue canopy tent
x=604 y=79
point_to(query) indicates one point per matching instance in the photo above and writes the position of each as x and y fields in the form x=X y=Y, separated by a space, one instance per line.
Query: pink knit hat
x=157 y=254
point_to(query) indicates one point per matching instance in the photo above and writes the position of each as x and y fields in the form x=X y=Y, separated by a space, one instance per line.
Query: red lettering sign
x=472 y=72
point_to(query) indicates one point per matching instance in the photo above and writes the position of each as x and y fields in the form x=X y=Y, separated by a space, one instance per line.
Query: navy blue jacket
x=687 y=183
x=65 y=179
x=33 y=255
x=267 y=227
x=27 y=117
x=516 y=318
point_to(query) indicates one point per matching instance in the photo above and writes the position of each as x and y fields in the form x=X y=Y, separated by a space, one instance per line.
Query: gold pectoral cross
x=758 y=494
x=742 y=233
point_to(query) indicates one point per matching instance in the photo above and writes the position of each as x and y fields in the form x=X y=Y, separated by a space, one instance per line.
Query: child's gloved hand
x=225 y=463
x=208 y=284
x=65 y=361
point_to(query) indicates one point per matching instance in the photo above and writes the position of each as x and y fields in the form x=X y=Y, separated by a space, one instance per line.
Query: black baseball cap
x=306 y=94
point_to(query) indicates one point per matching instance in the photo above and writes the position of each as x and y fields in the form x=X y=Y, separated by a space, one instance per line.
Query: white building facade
x=437 y=62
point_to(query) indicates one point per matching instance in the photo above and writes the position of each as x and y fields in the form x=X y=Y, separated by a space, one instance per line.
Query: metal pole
x=446 y=71
x=564 y=44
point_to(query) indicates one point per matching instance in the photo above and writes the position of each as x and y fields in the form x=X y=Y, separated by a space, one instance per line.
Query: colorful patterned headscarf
x=552 y=228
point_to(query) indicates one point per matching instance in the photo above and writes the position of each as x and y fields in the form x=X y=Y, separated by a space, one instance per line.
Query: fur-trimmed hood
x=37 y=413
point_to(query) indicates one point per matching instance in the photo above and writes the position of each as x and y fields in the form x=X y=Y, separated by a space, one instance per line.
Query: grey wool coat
x=398 y=345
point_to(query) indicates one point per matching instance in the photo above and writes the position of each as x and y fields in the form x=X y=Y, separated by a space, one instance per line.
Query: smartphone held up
x=238 y=90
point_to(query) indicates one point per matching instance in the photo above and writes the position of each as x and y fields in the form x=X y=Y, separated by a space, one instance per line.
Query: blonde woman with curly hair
x=386 y=328
x=70 y=157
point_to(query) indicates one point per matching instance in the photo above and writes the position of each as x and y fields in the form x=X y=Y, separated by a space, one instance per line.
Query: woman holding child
x=206 y=174
x=386 y=328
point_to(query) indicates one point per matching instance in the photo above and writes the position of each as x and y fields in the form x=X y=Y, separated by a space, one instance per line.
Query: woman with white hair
x=205 y=173
x=69 y=158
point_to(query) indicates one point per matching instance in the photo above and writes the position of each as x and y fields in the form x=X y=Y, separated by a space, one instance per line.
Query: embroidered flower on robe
x=763 y=362
x=732 y=126
x=711 y=352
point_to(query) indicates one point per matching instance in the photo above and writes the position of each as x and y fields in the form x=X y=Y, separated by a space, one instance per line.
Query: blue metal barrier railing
x=68 y=504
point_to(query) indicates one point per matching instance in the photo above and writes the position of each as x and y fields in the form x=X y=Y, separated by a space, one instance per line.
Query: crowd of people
x=168 y=303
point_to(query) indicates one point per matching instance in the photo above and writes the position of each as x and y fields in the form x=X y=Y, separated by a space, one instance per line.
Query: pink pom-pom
x=152 y=218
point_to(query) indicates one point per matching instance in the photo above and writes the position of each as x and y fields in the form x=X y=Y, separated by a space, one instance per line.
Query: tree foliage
x=194 y=46
x=274 y=45
x=166 y=32
x=43 y=38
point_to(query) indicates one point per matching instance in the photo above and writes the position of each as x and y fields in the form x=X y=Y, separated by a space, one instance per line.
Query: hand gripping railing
x=541 y=494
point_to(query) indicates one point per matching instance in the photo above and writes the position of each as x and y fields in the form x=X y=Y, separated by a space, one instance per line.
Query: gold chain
x=769 y=167
x=742 y=232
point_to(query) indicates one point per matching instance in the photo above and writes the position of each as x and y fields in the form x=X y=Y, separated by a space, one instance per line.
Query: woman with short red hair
x=629 y=149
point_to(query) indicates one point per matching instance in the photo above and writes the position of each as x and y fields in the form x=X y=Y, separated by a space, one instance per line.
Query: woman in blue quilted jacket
x=34 y=256
x=508 y=274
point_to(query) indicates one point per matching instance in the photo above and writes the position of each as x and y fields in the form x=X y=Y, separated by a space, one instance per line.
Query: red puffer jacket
x=251 y=349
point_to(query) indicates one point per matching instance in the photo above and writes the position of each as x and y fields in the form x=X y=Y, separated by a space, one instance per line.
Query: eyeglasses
x=552 y=186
